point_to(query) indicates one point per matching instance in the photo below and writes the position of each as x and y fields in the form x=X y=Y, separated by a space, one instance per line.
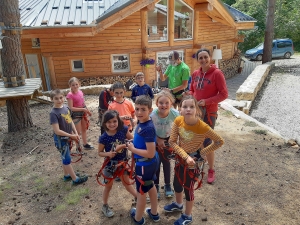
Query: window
x=35 y=43
x=183 y=25
x=77 y=65
x=158 y=22
x=120 y=63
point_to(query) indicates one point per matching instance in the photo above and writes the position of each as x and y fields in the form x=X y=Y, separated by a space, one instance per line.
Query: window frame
x=73 y=69
x=184 y=39
x=35 y=43
x=112 y=63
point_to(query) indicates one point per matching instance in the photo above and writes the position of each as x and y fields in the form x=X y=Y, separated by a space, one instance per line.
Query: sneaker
x=173 y=207
x=88 y=147
x=211 y=176
x=80 y=180
x=107 y=211
x=117 y=179
x=168 y=191
x=184 y=220
x=158 y=194
x=132 y=214
x=69 y=178
x=155 y=218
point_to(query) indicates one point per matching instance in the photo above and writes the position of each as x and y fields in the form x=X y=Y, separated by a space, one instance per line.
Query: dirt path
x=257 y=179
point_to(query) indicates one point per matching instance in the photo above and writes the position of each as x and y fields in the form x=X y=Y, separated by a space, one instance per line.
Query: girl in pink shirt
x=79 y=110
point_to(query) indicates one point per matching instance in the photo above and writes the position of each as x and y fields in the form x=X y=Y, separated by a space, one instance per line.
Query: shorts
x=110 y=171
x=146 y=173
x=77 y=116
x=63 y=146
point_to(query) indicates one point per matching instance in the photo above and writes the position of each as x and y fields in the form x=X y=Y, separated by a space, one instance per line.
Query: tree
x=18 y=112
x=269 y=32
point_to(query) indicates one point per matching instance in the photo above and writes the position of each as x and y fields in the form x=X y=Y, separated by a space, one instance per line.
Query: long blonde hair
x=164 y=93
x=188 y=97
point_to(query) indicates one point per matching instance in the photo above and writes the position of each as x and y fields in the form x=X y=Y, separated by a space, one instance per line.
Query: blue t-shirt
x=141 y=90
x=118 y=138
x=144 y=132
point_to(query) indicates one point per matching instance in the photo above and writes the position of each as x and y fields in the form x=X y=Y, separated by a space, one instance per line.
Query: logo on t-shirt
x=67 y=117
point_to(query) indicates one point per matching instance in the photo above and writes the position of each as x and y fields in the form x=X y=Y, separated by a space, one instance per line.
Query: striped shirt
x=187 y=139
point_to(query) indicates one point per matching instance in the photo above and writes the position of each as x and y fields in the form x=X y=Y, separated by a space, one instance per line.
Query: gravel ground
x=278 y=103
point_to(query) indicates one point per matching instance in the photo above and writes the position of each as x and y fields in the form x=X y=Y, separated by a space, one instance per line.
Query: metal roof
x=37 y=13
x=237 y=15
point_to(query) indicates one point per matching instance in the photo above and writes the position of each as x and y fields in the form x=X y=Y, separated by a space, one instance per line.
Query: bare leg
x=128 y=187
x=211 y=160
x=189 y=207
x=68 y=169
x=83 y=131
x=140 y=206
x=179 y=197
x=106 y=192
x=153 y=200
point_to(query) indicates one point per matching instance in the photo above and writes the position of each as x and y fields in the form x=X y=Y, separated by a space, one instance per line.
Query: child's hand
x=160 y=142
x=130 y=146
x=126 y=117
x=75 y=137
x=87 y=111
x=111 y=154
x=119 y=148
x=190 y=161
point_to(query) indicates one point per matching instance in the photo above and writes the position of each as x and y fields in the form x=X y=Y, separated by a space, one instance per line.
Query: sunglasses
x=204 y=57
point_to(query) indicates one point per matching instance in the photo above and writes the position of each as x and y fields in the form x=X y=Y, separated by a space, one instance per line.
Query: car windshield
x=260 y=46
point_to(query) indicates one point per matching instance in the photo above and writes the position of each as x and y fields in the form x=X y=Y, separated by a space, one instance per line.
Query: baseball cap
x=174 y=55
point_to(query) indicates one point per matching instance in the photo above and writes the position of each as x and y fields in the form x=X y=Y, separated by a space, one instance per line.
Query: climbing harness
x=166 y=148
x=65 y=142
x=111 y=169
x=191 y=171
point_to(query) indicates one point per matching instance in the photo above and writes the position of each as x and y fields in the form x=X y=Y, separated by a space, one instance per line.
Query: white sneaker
x=107 y=211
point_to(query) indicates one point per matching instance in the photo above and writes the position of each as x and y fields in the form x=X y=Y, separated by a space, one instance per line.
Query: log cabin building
x=100 y=41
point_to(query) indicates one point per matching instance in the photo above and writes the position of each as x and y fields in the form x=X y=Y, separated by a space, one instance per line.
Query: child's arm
x=148 y=153
x=133 y=97
x=151 y=93
x=129 y=137
x=75 y=109
x=101 y=152
x=217 y=142
x=60 y=132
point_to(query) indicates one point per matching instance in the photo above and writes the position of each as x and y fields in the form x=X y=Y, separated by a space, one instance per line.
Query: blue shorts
x=64 y=148
x=146 y=173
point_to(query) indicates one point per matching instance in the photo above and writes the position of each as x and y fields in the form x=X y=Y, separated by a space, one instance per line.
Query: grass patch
x=1 y=195
x=61 y=207
x=73 y=197
x=7 y=186
x=226 y=113
x=260 y=132
x=250 y=124
x=39 y=182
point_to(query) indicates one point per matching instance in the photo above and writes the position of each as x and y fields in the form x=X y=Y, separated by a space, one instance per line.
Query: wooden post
x=14 y=81
x=5 y=82
x=196 y=28
x=51 y=72
x=171 y=7
x=144 y=36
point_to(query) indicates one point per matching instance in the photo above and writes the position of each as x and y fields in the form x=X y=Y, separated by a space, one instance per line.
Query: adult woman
x=208 y=86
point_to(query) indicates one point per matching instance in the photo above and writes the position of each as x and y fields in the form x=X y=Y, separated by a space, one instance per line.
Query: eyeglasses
x=139 y=78
x=204 y=57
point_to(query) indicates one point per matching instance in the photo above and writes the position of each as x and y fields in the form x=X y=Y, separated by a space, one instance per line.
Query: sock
x=179 y=205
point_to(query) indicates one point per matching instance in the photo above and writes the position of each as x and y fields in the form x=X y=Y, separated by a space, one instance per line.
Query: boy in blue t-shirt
x=64 y=130
x=146 y=159
x=141 y=88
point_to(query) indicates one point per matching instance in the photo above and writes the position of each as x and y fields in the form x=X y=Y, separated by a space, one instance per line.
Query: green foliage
x=286 y=24
x=74 y=196
x=250 y=124
x=264 y=132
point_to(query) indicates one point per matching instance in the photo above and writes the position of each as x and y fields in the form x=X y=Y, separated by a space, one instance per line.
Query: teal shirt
x=163 y=125
x=177 y=74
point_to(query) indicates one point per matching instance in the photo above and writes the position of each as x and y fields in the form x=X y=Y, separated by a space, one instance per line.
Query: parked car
x=281 y=48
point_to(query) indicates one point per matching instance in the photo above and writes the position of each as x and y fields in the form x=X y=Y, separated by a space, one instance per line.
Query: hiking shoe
x=173 y=207
x=69 y=178
x=168 y=191
x=88 y=147
x=107 y=211
x=80 y=180
x=132 y=214
x=155 y=218
x=211 y=176
x=184 y=220
x=158 y=194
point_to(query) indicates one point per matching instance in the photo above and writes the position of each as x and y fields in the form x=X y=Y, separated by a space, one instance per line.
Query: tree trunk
x=269 y=32
x=18 y=112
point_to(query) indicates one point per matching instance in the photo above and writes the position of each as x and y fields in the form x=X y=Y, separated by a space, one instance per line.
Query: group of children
x=156 y=132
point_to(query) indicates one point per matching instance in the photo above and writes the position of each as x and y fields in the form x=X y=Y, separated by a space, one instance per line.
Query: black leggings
x=163 y=158
x=178 y=187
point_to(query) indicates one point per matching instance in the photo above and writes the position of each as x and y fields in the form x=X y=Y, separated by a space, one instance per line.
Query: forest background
x=286 y=24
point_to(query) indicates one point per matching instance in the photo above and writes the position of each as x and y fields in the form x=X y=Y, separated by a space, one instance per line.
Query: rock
x=291 y=142
x=295 y=146
x=204 y=218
